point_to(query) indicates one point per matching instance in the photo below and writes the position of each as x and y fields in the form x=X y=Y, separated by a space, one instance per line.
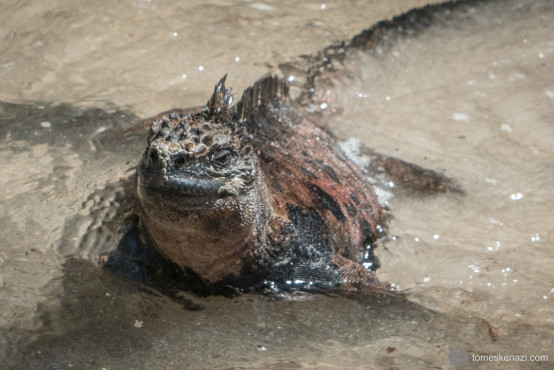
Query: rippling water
x=470 y=93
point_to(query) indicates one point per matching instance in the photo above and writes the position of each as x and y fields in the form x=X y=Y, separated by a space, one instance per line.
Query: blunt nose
x=154 y=156
x=156 y=159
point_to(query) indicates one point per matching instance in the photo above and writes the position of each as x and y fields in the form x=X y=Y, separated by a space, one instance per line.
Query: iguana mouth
x=182 y=187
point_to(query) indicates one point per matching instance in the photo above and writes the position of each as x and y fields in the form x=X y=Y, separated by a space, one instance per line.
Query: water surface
x=470 y=94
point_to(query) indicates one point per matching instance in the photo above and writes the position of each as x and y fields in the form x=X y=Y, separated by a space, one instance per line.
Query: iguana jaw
x=185 y=192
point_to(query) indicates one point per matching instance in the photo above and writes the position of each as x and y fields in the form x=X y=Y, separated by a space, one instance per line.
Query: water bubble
x=262 y=7
x=516 y=196
x=474 y=268
x=506 y=127
x=460 y=117
x=494 y=221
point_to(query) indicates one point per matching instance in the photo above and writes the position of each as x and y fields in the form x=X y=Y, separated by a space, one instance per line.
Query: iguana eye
x=222 y=157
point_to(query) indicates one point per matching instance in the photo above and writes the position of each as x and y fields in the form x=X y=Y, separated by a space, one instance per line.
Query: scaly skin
x=255 y=192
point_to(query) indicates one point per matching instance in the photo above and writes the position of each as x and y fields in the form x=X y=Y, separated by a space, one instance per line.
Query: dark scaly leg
x=356 y=278
x=384 y=169
x=412 y=176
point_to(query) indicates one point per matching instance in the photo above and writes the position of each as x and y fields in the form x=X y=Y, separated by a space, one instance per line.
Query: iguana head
x=199 y=186
x=199 y=158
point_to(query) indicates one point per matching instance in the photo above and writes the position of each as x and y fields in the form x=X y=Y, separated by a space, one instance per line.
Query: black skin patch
x=310 y=226
x=366 y=228
x=351 y=209
x=307 y=254
x=329 y=203
x=328 y=170
x=308 y=173
x=355 y=199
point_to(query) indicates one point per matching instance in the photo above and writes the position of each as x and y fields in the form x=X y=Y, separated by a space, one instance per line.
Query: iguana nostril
x=180 y=162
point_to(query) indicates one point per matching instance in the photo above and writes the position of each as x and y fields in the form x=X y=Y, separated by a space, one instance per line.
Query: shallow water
x=472 y=96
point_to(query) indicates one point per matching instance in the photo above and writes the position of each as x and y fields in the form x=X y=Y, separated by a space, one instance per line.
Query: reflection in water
x=120 y=324
x=471 y=93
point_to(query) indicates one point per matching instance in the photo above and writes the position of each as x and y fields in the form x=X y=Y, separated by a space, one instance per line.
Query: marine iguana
x=251 y=193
